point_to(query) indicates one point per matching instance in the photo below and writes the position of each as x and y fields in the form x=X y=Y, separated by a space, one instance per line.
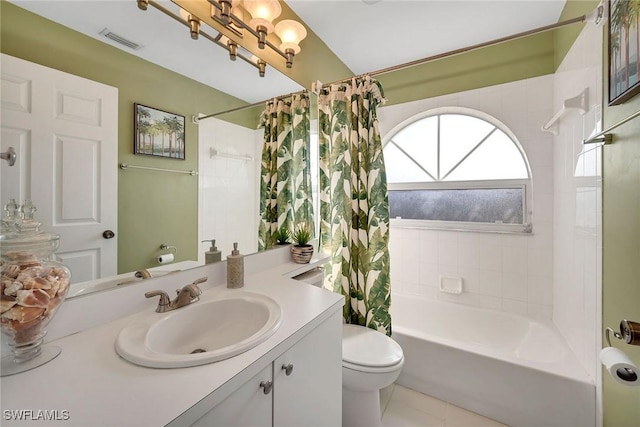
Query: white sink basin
x=203 y=332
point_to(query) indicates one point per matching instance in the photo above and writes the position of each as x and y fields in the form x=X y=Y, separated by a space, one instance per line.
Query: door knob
x=287 y=369
x=9 y=156
x=266 y=386
x=108 y=234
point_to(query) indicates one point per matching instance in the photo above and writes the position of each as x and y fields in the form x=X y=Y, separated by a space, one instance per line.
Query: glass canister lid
x=25 y=241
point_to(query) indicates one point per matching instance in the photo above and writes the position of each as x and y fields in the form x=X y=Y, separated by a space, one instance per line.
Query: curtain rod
x=605 y=136
x=443 y=55
x=246 y=107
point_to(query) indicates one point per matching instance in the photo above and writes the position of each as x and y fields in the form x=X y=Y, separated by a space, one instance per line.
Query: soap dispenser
x=213 y=254
x=235 y=268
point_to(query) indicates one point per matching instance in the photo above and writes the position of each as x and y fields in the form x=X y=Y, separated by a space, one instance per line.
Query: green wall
x=621 y=252
x=511 y=61
x=621 y=228
x=153 y=207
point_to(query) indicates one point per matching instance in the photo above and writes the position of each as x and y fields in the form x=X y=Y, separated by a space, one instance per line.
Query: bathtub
x=507 y=367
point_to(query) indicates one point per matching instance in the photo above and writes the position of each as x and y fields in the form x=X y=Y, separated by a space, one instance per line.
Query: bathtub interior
x=507 y=367
x=503 y=336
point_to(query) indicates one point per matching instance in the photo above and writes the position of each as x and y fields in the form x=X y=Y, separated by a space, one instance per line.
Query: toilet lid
x=366 y=347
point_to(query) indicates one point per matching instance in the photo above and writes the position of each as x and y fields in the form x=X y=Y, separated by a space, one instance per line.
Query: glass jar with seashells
x=32 y=288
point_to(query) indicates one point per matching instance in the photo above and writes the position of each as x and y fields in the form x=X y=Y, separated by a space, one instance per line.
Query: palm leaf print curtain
x=354 y=205
x=285 y=184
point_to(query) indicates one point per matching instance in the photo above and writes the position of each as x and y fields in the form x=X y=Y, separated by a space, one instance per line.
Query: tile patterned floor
x=402 y=407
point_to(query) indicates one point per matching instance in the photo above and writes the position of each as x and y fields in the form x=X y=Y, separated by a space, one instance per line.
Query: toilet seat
x=367 y=350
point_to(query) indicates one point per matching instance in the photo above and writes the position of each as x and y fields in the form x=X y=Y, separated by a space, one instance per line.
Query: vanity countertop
x=90 y=385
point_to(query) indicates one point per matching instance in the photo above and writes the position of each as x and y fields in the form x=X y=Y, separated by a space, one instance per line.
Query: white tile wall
x=557 y=271
x=578 y=196
x=507 y=272
x=229 y=188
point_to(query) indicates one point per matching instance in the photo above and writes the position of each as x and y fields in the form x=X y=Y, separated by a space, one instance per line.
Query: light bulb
x=263 y=12
x=290 y=33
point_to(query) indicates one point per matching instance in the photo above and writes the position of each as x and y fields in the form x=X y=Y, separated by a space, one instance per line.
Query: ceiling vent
x=119 y=39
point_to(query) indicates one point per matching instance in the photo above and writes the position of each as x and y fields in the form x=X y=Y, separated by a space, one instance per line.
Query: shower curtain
x=354 y=206
x=285 y=184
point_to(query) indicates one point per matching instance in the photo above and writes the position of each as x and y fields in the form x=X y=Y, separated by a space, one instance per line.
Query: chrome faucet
x=187 y=295
x=143 y=274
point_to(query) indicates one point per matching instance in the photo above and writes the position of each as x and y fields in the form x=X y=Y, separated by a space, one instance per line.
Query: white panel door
x=64 y=129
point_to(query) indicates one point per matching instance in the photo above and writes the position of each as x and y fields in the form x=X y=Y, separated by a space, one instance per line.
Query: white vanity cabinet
x=310 y=395
x=247 y=406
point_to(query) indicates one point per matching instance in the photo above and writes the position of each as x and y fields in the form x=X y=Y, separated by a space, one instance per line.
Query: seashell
x=6 y=303
x=59 y=273
x=22 y=314
x=55 y=286
x=33 y=298
x=64 y=285
x=25 y=332
x=37 y=283
x=20 y=256
x=12 y=270
x=11 y=289
x=24 y=276
x=53 y=305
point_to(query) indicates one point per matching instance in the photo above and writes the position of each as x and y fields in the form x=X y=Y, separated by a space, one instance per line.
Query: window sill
x=523 y=229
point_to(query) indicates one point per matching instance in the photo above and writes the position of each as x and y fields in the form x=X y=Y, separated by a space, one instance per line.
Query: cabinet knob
x=266 y=386
x=288 y=369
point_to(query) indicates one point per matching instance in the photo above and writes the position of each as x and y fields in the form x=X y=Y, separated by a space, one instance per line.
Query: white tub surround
x=504 y=366
x=503 y=272
x=96 y=387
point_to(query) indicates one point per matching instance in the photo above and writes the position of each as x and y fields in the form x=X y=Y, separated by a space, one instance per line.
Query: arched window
x=457 y=168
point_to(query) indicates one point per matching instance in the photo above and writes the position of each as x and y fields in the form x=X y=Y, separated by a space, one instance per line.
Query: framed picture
x=158 y=133
x=624 y=50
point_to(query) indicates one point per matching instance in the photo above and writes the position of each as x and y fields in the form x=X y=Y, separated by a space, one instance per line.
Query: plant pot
x=301 y=254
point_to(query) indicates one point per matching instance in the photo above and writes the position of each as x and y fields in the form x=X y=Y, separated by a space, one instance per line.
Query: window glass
x=458 y=166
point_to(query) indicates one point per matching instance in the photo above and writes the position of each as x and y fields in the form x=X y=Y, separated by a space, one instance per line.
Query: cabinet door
x=311 y=395
x=248 y=406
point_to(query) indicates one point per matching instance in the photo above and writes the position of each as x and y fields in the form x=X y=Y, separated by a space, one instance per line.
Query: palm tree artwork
x=159 y=133
x=624 y=50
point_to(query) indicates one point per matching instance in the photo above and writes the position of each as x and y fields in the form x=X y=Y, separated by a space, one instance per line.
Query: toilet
x=370 y=361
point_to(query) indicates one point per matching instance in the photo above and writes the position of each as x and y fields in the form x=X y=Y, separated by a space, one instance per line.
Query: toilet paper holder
x=615 y=361
x=629 y=333
x=164 y=247
x=167 y=258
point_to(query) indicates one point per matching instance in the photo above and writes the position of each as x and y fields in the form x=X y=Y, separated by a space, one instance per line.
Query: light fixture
x=231 y=14
x=193 y=21
x=291 y=33
x=262 y=65
x=225 y=10
x=262 y=12
x=232 y=47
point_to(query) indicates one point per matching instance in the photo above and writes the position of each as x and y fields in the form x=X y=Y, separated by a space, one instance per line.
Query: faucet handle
x=164 y=299
x=200 y=280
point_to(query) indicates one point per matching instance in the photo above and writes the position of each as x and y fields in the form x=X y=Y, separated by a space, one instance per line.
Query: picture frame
x=623 y=51
x=158 y=133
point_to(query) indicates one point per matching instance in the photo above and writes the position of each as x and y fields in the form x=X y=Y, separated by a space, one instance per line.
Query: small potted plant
x=282 y=235
x=301 y=250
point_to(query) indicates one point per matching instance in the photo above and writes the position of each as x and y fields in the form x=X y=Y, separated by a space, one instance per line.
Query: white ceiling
x=367 y=35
